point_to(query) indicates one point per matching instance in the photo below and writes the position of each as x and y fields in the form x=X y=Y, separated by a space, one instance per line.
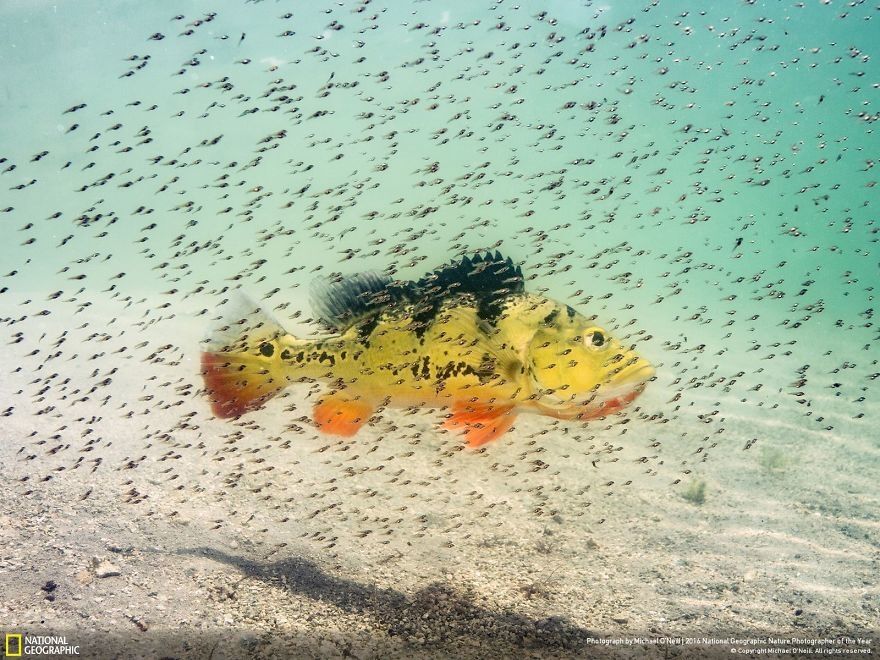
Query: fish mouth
x=606 y=400
x=637 y=375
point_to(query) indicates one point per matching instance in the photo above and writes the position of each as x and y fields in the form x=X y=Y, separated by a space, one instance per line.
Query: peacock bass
x=466 y=337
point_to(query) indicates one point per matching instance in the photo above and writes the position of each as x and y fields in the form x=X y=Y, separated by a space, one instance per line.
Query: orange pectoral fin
x=480 y=423
x=342 y=415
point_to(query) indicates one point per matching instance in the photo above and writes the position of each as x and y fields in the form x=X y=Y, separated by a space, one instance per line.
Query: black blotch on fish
x=550 y=319
x=366 y=328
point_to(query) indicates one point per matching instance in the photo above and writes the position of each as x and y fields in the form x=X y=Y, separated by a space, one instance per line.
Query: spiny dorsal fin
x=490 y=278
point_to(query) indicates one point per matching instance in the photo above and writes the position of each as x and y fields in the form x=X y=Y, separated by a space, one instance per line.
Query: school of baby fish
x=713 y=211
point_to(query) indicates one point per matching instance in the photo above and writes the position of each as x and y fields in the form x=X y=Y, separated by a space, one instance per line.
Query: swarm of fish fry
x=652 y=226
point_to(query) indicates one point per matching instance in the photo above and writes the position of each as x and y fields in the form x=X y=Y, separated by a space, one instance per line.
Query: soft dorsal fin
x=341 y=302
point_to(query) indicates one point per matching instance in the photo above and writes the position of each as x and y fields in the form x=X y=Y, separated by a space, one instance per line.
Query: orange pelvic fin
x=342 y=414
x=237 y=383
x=480 y=423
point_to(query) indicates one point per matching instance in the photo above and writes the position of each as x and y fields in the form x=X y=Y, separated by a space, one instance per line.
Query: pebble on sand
x=104 y=569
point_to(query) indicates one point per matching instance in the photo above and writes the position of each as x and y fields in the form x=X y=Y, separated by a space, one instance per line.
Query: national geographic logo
x=18 y=645
x=13 y=645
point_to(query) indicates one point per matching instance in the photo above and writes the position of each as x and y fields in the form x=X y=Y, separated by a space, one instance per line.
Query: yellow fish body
x=467 y=337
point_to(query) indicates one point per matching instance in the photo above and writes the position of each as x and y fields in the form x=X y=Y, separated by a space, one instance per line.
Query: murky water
x=697 y=176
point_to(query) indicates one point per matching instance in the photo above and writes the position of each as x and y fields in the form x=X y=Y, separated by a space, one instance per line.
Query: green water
x=699 y=176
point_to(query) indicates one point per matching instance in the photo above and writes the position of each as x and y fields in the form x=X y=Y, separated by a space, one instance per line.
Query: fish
x=467 y=337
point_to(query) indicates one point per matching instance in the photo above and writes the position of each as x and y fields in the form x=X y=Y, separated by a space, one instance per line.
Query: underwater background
x=698 y=176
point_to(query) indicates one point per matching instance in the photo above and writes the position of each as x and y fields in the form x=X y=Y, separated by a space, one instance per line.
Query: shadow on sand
x=439 y=613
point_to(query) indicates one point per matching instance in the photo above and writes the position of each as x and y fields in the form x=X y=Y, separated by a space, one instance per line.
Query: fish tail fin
x=241 y=363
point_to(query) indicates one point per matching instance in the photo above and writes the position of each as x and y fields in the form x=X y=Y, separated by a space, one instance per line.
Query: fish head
x=578 y=370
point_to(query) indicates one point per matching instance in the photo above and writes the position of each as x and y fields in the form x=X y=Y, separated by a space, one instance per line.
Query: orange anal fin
x=480 y=423
x=234 y=385
x=340 y=415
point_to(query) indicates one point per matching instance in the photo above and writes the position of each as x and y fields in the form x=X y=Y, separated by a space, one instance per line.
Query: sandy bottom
x=197 y=538
x=783 y=544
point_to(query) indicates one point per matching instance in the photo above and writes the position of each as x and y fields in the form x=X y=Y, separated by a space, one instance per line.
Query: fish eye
x=595 y=340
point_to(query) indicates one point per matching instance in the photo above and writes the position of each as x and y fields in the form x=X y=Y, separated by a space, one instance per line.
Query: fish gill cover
x=697 y=179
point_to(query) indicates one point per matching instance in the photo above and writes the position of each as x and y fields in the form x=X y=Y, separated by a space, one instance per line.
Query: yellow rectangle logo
x=13 y=645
